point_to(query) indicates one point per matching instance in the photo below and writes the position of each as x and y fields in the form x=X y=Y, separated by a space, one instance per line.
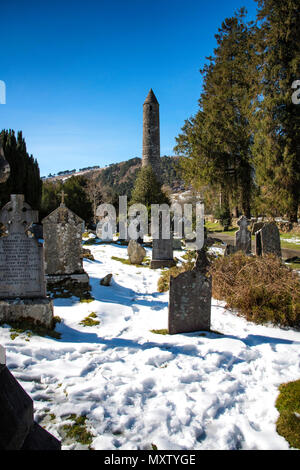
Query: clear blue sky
x=77 y=72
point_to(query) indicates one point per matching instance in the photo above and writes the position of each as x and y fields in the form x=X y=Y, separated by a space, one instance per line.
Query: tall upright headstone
x=267 y=240
x=243 y=236
x=162 y=248
x=63 y=248
x=190 y=299
x=151 y=134
x=22 y=279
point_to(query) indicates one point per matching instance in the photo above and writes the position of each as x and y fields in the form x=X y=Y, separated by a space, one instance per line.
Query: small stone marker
x=243 y=236
x=63 y=248
x=22 y=280
x=267 y=240
x=106 y=280
x=190 y=299
x=136 y=252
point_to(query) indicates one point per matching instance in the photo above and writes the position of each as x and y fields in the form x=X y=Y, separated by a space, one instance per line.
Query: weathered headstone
x=162 y=248
x=63 y=249
x=267 y=240
x=22 y=280
x=190 y=299
x=243 y=236
x=229 y=249
x=256 y=227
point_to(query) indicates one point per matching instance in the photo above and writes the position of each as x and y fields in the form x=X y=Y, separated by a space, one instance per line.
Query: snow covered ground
x=188 y=391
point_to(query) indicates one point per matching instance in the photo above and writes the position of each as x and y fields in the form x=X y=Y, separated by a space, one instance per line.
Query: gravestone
x=63 y=249
x=229 y=249
x=243 y=236
x=22 y=279
x=267 y=240
x=162 y=248
x=190 y=299
x=256 y=227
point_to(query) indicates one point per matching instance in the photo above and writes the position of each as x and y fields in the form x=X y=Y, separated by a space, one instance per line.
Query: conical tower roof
x=151 y=98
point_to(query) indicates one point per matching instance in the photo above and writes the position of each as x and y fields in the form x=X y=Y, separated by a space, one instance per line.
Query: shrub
x=288 y=405
x=262 y=289
x=164 y=280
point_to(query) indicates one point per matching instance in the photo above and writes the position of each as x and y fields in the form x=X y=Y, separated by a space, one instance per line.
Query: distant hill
x=118 y=178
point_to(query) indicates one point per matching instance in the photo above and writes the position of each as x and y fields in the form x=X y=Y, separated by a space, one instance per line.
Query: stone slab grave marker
x=63 y=248
x=243 y=236
x=22 y=279
x=256 y=227
x=267 y=240
x=190 y=299
x=162 y=248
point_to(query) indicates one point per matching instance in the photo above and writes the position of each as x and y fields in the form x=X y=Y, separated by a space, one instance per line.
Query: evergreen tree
x=24 y=171
x=216 y=143
x=76 y=198
x=147 y=190
x=276 y=119
x=51 y=198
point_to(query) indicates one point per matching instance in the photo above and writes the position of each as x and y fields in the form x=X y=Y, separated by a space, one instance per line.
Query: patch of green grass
x=190 y=255
x=87 y=300
x=91 y=241
x=29 y=328
x=164 y=280
x=217 y=227
x=291 y=246
x=288 y=405
x=13 y=334
x=160 y=332
x=89 y=320
x=145 y=263
x=77 y=431
x=295 y=266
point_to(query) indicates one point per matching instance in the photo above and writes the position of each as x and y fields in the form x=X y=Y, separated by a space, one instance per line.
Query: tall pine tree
x=276 y=119
x=24 y=170
x=216 y=143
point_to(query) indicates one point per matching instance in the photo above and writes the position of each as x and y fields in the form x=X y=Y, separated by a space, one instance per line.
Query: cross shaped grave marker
x=17 y=215
x=243 y=236
x=62 y=194
x=21 y=257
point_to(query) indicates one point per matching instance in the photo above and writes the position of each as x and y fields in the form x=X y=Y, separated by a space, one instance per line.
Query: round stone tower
x=151 y=134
